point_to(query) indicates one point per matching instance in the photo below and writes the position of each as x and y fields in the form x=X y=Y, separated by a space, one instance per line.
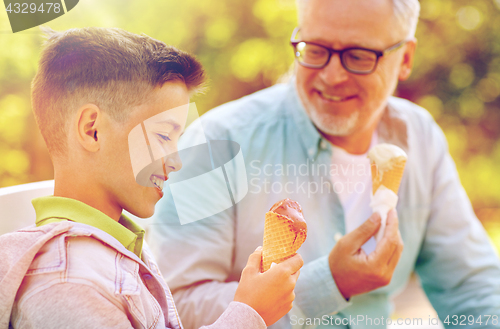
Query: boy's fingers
x=254 y=260
x=292 y=264
x=363 y=233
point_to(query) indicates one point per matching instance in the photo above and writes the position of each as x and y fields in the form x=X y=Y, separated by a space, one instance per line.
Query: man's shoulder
x=416 y=117
x=254 y=110
x=409 y=108
x=424 y=135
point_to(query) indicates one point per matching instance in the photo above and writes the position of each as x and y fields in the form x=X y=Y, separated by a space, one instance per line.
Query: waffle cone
x=389 y=178
x=280 y=240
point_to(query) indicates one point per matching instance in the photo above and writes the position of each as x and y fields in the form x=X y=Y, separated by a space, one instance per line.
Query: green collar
x=51 y=209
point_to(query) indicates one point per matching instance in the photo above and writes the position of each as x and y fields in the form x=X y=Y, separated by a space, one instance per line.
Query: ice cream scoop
x=284 y=232
x=387 y=166
x=293 y=211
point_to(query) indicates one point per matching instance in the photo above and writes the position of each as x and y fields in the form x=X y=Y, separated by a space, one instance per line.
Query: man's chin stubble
x=335 y=125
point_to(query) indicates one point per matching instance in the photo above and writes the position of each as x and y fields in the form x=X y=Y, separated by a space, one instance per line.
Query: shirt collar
x=52 y=209
x=391 y=129
x=310 y=136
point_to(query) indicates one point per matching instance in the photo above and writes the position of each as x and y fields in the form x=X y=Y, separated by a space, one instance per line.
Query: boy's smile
x=158 y=182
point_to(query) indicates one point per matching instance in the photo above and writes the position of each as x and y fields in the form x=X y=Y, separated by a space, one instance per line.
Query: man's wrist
x=316 y=291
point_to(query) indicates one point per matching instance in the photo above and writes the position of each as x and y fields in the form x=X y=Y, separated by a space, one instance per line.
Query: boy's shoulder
x=17 y=253
x=49 y=248
x=65 y=249
x=50 y=257
x=19 y=248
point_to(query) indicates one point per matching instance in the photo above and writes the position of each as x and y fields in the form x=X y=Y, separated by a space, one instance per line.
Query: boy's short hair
x=109 y=67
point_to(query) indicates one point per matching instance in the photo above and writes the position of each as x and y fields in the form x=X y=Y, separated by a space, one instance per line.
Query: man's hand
x=269 y=293
x=355 y=272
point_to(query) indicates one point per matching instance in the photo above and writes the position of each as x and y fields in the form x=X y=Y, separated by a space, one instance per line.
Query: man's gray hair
x=406 y=13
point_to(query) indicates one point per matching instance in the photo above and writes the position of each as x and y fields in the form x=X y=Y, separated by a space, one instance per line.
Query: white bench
x=16 y=210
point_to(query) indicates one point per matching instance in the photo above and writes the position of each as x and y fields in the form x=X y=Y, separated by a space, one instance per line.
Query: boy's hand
x=269 y=293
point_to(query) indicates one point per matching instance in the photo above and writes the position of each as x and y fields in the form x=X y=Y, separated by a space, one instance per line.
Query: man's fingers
x=292 y=264
x=355 y=239
x=254 y=260
x=391 y=240
x=392 y=219
x=394 y=260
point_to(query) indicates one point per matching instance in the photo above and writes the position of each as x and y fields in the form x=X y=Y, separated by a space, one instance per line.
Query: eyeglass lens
x=358 y=60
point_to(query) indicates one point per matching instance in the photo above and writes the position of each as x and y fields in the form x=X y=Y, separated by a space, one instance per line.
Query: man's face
x=338 y=102
x=163 y=117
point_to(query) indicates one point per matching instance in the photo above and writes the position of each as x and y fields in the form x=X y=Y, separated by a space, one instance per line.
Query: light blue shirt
x=285 y=156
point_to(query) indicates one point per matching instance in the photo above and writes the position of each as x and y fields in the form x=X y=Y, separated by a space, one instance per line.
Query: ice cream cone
x=387 y=166
x=390 y=178
x=281 y=241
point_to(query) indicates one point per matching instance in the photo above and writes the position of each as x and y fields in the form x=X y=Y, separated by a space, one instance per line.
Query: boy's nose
x=173 y=162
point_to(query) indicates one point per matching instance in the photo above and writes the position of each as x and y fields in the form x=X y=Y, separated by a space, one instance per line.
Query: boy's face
x=163 y=119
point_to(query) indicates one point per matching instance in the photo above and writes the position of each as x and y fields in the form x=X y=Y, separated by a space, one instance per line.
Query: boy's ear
x=88 y=122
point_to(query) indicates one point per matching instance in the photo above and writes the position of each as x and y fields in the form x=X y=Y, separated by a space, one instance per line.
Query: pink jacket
x=69 y=274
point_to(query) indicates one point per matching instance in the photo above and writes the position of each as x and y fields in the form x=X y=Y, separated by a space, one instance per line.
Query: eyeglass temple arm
x=396 y=46
x=294 y=34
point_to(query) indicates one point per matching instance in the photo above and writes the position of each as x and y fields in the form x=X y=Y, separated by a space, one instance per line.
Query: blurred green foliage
x=244 y=46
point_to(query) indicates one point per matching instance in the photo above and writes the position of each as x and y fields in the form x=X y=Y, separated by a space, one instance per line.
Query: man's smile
x=335 y=97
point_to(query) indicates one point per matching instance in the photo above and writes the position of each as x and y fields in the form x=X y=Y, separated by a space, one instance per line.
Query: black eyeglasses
x=355 y=60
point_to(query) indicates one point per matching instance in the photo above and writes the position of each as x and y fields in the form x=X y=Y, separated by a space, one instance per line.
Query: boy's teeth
x=157 y=182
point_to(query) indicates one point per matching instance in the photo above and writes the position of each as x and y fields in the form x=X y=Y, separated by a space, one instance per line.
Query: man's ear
x=88 y=121
x=407 y=62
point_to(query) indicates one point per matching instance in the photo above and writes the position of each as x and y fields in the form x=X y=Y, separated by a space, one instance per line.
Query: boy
x=84 y=265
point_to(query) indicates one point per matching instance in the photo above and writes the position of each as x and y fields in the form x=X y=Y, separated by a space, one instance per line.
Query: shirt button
x=323 y=144
x=337 y=236
x=311 y=152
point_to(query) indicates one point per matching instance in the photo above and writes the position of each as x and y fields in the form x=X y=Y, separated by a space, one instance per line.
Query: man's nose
x=334 y=73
